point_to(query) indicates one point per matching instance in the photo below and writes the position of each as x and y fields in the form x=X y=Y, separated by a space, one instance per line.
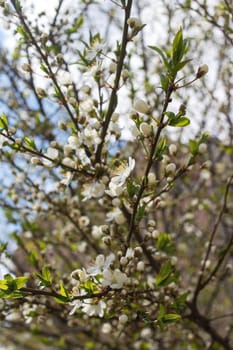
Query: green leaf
x=162 y=55
x=170 y=115
x=3 y=121
x=63 y=290
x=171 y=318
x=3 y=285
x=22 y=32
x=21 y=281
x=204 y=137
x=181 y=122
x=29 y=143
x=164 y=243
x=33 y=259
x=45 y=277
x=180 y=301
x=164 y=80
x=44 y=69
x=131 y=188
x=166 y=275
x=161 y=148
x=3 y=247
x=193 y=147
x=178 y=47
x=181 y=65
x=64 y=295
x=140 y=212
x=164 y=318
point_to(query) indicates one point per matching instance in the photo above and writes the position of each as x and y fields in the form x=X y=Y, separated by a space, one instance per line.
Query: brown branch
x=200 y=283
x=113 y=98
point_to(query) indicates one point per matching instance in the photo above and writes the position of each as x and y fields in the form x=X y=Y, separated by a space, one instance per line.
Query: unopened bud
x=151 y=178
x=145 y=129
x=202 y=148
x=60 y=59
x=44 y=38
x=202 y=70
x=41 y=93
x=125 y=74
x=172 y=149
x=26 y=67
x=170 y=168
x=35 y=161
x=112 y=67
x=141 y=107
x=134 y=22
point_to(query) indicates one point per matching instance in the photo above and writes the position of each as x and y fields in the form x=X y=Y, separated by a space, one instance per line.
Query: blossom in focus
x=117 y=182
x=101 y=264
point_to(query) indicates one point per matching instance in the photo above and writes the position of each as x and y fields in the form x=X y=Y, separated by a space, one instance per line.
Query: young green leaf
x=179 y=122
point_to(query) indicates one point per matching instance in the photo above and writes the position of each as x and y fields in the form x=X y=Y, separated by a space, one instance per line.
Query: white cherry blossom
x=115 y=279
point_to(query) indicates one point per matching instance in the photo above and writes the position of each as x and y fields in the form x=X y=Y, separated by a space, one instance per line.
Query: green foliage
x=30 y=143
x=164 y=243
x=166 y=275
x=161 y=148
x=166 y=318
x=3 y=122
x=140 y=212
x=45 y=277
x=10 y=286
x=173 y=59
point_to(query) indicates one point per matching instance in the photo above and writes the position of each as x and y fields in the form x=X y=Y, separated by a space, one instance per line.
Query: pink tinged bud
x=202 y=70
x=141 y=107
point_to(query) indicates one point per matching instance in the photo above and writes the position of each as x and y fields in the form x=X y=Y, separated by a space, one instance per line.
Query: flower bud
x=60 y=59
x=35 y=161
x=41 y=93
x=26 y=67
x=134 y=22
x=141 y=107
x=202 y=148
x=125 y=74
x=62 y=125
x=123 y=319
x=170 y=168
x=145 y=129
x=68 y=162
x=151 y=178
x=112 y=67
x=172 y=149
x=202 y=70
x=140 y=266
